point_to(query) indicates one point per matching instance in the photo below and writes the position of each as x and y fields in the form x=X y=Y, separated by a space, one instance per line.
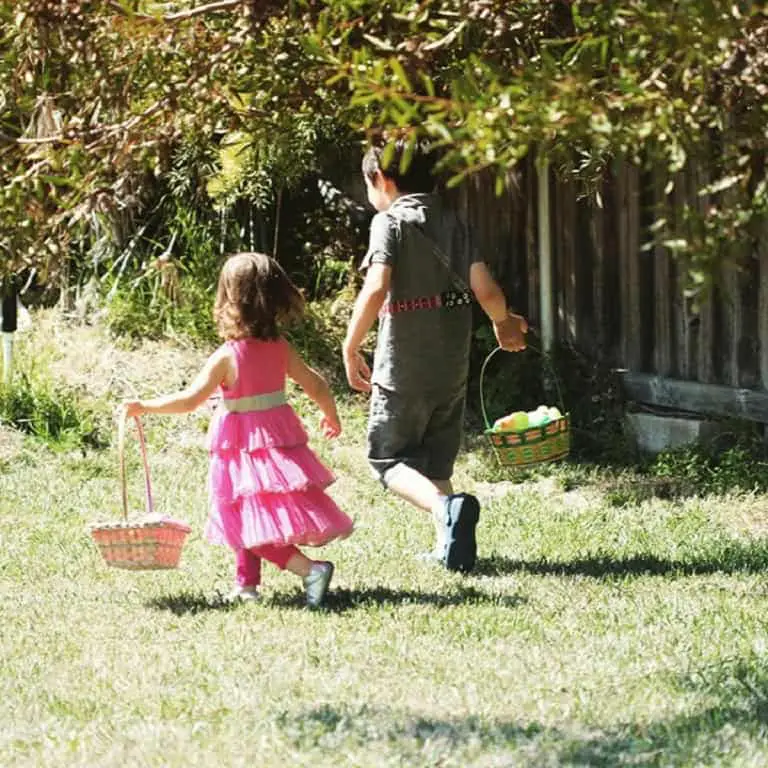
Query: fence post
x=545 y=256
x=8 y=327
x=546 y=287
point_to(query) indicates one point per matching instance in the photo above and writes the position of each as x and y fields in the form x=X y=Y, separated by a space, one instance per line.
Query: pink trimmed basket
x=155 y=543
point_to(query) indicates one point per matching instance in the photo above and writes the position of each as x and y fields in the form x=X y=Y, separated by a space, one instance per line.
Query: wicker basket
x=535 y=445
x=153 y=543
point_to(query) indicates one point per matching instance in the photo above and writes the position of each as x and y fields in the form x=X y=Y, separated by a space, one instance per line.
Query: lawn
x=591 y=634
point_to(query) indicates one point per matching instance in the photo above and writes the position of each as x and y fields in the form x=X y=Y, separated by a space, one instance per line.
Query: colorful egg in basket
x=543 y=435
x=153 y=542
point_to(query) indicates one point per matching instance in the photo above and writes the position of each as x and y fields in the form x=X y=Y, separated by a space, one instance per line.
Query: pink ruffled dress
x=265 y=484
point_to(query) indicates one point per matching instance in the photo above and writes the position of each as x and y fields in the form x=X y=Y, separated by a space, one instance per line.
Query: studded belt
x=447 y=300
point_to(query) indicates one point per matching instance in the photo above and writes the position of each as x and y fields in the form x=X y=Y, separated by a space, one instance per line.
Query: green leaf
x=387 y=154
x=399 y=72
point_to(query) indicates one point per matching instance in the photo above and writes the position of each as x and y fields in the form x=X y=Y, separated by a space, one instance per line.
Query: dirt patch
x=87 y=358
x=548 y=488
x=11 y=443
x=747 y=514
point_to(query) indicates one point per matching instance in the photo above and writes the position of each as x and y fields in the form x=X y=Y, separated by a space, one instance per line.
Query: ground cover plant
x=590 y=634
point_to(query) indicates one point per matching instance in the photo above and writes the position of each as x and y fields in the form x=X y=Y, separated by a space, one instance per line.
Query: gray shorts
x=421 y=431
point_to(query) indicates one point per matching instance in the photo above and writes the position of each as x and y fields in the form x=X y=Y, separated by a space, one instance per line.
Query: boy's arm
x=367 y=305
x=509 y=328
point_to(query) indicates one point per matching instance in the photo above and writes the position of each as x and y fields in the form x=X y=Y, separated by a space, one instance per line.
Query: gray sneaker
x=316 y=583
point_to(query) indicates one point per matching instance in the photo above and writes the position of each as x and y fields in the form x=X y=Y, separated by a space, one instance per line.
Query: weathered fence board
x=615 y=299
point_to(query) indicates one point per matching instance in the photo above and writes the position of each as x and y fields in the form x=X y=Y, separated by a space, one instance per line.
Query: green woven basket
x=535 y=445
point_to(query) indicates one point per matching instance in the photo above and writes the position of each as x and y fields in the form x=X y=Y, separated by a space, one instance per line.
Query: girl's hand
x=331 y=426
x=133 y=407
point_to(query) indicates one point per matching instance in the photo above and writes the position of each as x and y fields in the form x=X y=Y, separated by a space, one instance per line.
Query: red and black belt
x=444 y=300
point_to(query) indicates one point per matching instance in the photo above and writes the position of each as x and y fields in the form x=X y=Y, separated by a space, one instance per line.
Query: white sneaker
x=316 y=583
x=248 y=594
x=433 y=557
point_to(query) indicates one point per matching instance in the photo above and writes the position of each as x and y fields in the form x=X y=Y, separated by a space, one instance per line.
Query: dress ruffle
x=233 y=475
x=254 y=430
x=307 y=517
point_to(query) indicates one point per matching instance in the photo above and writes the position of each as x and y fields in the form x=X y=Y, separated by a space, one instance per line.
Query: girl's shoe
x=316 y=583
x=245 y=594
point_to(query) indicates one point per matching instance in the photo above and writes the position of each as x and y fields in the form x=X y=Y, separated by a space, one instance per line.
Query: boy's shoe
x=462 y=511
x=245 y=594
x=433 y=557
x=316 y=583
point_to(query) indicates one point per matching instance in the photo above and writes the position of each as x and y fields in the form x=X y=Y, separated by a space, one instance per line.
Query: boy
x=420 y=276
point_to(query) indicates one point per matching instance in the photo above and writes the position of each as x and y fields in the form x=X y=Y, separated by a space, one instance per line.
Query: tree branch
x=218 y=5
x=98 y=130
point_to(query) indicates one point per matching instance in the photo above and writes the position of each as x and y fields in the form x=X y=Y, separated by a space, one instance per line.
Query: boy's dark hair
x=254 y=298
x=417 y=178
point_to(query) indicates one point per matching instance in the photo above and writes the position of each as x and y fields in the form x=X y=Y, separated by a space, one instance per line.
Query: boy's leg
x=412 y=445
x=409 y=484
x=396 y=427
x=457 y=516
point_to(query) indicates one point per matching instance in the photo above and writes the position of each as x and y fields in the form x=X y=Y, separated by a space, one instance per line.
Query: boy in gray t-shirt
x=421 y=275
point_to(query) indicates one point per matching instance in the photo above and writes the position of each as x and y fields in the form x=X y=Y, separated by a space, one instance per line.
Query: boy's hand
x=133 y=407
x=358 y=372
x=331 y=426
x=510 y=333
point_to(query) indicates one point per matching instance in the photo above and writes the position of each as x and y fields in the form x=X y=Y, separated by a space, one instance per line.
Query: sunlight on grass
x=590 y=634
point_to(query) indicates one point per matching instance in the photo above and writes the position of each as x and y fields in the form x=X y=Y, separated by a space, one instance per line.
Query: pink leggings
x=249 y=561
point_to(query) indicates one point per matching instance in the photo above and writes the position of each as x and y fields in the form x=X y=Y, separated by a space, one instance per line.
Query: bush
x=54 y=414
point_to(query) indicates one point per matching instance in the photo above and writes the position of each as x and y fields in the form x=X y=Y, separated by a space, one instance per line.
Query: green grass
x=590 y=635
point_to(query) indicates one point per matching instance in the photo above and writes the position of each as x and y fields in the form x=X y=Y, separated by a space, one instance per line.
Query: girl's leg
x=315 y=574
x=248 y=568
x=286 y=557
x=247 y=576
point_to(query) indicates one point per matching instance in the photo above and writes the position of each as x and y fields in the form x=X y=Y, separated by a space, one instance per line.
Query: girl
x=265 y=484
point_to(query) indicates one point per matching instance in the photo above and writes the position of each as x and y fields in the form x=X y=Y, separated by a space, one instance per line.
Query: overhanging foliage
x=94 y=97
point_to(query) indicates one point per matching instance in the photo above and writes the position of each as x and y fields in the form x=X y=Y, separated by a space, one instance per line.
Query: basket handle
x=121 y=454
x=545 y=357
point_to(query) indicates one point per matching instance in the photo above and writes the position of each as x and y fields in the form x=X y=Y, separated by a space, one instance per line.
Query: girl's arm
x=219 y=369
x=317 y=389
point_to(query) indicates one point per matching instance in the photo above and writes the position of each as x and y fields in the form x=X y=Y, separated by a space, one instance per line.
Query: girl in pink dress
x=266 y=486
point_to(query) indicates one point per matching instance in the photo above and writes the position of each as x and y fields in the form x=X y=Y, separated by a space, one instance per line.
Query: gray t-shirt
x=423 y=343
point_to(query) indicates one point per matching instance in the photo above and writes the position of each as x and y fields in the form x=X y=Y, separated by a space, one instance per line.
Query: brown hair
x=254 y=297
x=418 y=177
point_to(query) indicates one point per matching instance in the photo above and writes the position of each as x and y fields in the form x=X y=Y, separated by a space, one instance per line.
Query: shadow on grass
x=341 y=600
x=739 y=714
x=337 y=601
x=733 y=558
x=185 y=603
x=736 y=714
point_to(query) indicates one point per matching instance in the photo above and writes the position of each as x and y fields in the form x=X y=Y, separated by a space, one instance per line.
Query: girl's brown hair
x=254 y=298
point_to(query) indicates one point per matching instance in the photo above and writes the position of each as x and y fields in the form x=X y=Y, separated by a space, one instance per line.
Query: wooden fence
x=624 y=304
